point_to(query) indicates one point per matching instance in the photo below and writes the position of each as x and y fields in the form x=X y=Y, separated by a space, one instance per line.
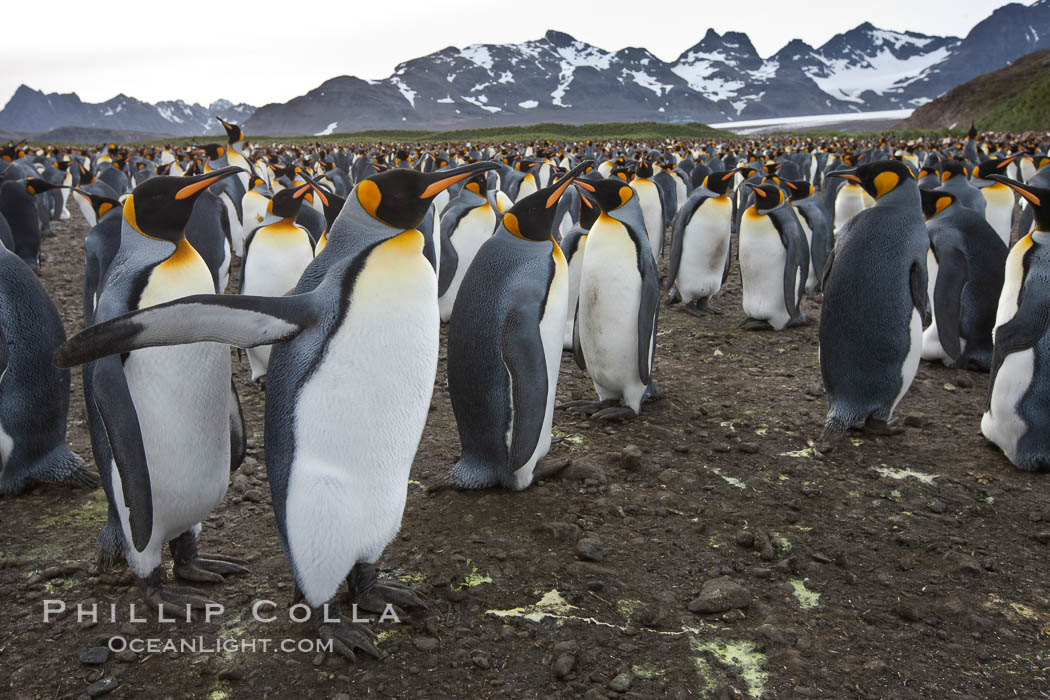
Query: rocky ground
x=699 y=550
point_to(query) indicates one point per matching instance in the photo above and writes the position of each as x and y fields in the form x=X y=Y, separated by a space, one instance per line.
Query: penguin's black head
x=589 y=211
x=332 y=203
x=767 y=197
x=400 y=197
x=719 y=182
x=287 y=202
x=879 y=177
x=99 y=204
x=478 y=184
x=972 y=133
x=233 y=132
x=35 y=185
x=214 y=150
x=935 y=201
x=952 y=168
x=609 y=194
x=995 y=166
x=161 y=206
x=1038 y=198
x=643 y=169
x=533 y=217
x=798 y=189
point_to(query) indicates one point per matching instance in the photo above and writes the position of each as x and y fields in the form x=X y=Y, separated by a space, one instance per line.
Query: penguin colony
x=353 y=256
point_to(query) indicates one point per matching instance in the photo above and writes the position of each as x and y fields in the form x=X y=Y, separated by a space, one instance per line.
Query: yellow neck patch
x=510 y=222
x=885 y=182
x=369 y=196
x=941 y=204
x=129 y=213
x=625 y=195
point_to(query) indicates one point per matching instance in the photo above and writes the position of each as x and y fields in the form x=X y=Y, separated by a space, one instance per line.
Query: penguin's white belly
x=649 y=199
x=762 y=261
x=359 y=417
x=931 y=340
x=1002 y=424
x=181 y=397
x=999 y=210
x=236 y=226
x=705 y=246
x=575 y=266
x=813 y=278
x=274 y=263
x=7 y=443
x=610 y=296
x=85 y=208
x=911 y=360
x=471 y=232
x=527 y=187
x=254 y=207
x=565 y=225
x=552 y=327
x=848 y=203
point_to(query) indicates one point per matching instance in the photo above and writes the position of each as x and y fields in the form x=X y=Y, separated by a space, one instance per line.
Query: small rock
x=631 y=458
x=233 y=673
x=318 y=659
x=1042 y=537
x=748 y=448
x=745 y=539
x=621 y=683
x=95 y=656
x=584 y=469
x=908 y=611
x=253 y=495
x=126 y=656
x=102 y=686
x=719 y=595
x=129 y=629
x=563 y=666
x=937 y=507
x=595 y=585
x=821 y=557
x=965 y=564
x=590 y=549
x=964 y=382
x=914 y=420
x=425 y=643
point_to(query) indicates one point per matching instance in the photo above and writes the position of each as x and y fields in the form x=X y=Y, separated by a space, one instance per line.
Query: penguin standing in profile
x=651 y=201
x=363 y=323
x=616 y=317
x=275 y=256
x=700 y=243
x=1017 y=417
x=34 y=395
x=466 y=223
x=774 y=261
x=817 y=227
x=100 y=247
x=253 y=208
x=999 y=198
x=874 y=302
x=18 y=205
x=574 y=246
x=504 y=346
x=965 y=270
x=164 y=412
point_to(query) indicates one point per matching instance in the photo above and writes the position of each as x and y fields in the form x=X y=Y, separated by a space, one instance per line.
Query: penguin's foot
x=372 y=595
x=877 y=426
x=694 y=310
x=190 y=565
x=755 y=324
x=652 y=392
x=177 y=599
x=587 y=408
x=347 y=637
x=800 y=320
x=614 y=413
x=548 y=467
x=701 y=308
x=673 y=297
x=831 y=435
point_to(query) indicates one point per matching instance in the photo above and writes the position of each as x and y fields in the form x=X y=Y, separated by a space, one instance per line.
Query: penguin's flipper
x=3 y=356
x=577 y=348
x=947 y=299
x=647 y=308
x=1022 y=332
x=522 y=348
x=917 y=281
x=117 y=410
x=449 y=259
x=243 y=321
x=827 y=270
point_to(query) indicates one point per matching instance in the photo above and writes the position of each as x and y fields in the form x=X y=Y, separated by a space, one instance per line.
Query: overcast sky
x=265 y=51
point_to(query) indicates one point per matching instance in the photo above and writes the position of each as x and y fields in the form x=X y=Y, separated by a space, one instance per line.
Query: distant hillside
x=1015 y=98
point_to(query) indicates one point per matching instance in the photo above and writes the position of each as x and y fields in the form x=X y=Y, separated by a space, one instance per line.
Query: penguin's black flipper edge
x=577 y=348
x=240 y=320
x=3 y=352
x=647 y=309
x=677 y=237
x=523 y=356
x=917 y=283
x=117 y=410
x=947 y=299
x=449 y=257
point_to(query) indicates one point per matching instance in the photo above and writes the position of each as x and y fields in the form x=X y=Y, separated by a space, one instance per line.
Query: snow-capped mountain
x=31 y=111
x=559 y=79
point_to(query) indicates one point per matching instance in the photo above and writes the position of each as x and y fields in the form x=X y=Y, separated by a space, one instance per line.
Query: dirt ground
x=910 y=566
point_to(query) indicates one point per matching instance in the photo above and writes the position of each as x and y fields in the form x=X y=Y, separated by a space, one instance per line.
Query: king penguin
x=616 y=316
x=871 y=320
x=164 y=411
x=774 y=261
x=466 y=223
x=574 y=246
x=363 y=322
x=1017 y=417
x=275 y=256
x=817 y=226
x=504 y=345
x=999 y=198
x=700 y=243
x=651 y=201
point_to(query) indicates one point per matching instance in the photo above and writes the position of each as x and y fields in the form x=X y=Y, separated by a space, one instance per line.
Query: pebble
x=126 y=656
x=621 y=683
x=563 y=666
x=937 y=507
x=631 y=458
x=95 y=656
x=102 y=686
x=233 y=673
x=253 y=495
x=745 y=539
x=590 y=549
x=584 y=470
x=720 y=595
x=425 y=643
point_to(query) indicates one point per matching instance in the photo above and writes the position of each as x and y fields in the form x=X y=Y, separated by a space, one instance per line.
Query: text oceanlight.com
x=210 y=645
